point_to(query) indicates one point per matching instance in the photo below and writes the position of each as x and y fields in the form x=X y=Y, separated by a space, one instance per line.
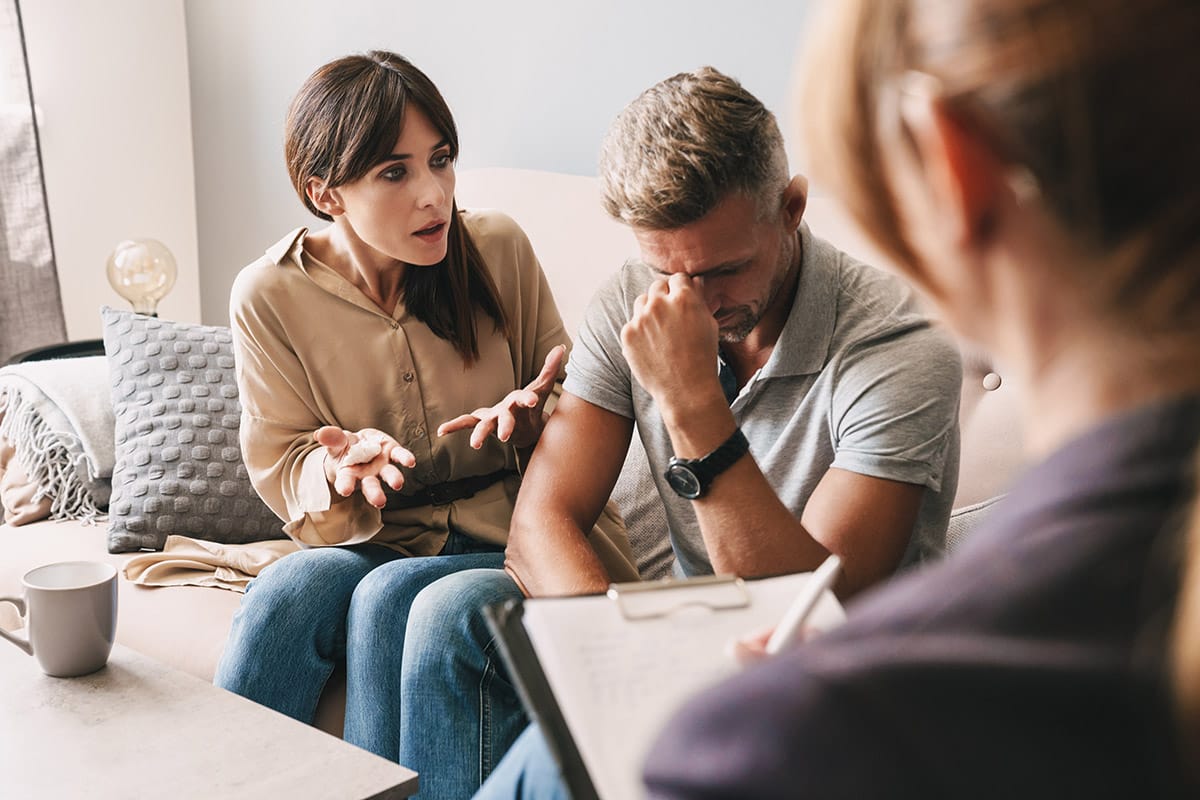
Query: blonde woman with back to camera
x=1033 y=166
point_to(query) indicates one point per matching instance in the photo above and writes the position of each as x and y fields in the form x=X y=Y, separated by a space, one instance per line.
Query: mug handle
x=17 y=640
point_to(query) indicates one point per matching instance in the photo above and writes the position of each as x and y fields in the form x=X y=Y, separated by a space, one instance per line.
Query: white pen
x=802 y=607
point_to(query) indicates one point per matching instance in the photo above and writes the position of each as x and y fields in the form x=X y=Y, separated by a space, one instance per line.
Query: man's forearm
x=560 y=500
x=553 y=561
x=867 y=521
x=747 y=529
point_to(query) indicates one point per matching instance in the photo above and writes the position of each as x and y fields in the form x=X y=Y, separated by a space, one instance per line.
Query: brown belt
x=441 y=494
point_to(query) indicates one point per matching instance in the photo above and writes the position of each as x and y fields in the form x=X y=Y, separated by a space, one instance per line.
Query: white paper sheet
x=618 y=680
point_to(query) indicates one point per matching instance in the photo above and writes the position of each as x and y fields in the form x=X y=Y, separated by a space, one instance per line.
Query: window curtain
x=31 y=312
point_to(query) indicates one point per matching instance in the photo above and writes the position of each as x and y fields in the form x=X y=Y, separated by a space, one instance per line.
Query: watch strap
x=708 y=467
x=721 y=459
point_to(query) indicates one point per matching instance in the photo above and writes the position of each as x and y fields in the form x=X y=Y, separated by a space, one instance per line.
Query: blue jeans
x=460 y=713
x=528 y=772
x=315 y=608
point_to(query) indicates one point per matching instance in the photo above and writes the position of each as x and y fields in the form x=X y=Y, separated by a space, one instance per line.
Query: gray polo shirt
x=859 y=380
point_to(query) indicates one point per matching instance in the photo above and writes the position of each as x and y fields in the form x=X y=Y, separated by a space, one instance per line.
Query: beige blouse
x=313 y=350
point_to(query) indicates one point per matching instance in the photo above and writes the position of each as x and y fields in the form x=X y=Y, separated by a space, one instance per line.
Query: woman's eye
x=441 y=160
x=394 y=174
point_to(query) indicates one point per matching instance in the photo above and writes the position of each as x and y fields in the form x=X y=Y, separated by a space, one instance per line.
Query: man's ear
x=323 y=197
x=965 y=177
x=795 y=201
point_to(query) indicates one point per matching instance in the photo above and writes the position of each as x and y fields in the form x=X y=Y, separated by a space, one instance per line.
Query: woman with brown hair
x=355 y=344
x=1033 y=166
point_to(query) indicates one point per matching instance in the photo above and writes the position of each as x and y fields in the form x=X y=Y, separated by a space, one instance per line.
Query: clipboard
x=525 y=671
x=600 y=674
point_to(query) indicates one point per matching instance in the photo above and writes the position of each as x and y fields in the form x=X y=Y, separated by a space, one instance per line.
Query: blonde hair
x=1090 y=96
x=684 y=145
x=1087 y=96
x=1185 y=660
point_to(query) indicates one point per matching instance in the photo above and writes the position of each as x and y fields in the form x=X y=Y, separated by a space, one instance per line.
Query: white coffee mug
x=70 y=612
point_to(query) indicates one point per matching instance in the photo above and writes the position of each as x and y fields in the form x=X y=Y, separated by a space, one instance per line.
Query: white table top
x=139 y=729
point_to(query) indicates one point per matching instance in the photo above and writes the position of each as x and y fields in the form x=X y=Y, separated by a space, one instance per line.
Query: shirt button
x=408 y=377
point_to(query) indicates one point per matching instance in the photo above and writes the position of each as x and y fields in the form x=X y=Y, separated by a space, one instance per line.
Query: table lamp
x=142 y=271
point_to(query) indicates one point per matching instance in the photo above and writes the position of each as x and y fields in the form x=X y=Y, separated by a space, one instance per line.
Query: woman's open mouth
x=433 y=233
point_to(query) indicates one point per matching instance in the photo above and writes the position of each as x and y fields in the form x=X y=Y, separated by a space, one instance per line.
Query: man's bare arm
x=748 y=531
x=569 y=479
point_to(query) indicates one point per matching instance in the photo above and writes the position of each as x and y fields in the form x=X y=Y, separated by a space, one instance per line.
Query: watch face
x=684 y=481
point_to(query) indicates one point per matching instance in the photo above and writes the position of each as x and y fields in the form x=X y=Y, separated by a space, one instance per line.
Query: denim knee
x=304 y=583
x=311 y=573
x=390 y=590
x=290 y=628
x=383 y=592
x=450 y=608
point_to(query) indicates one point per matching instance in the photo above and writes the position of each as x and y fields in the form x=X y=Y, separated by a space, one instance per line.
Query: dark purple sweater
x=1027 y=665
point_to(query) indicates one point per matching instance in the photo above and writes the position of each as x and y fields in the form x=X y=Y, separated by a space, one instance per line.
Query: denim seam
x=485 y=711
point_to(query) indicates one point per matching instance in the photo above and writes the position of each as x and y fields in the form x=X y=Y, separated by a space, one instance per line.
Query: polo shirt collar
x=803 y=346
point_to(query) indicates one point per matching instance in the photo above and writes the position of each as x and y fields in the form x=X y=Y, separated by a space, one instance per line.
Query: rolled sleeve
x=895 y=408
x=598 y=371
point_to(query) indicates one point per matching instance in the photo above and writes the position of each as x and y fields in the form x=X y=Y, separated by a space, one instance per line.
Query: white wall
x=533 y=83
x=110 y=79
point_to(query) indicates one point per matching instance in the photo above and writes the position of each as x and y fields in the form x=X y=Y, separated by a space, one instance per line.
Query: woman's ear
x=966 y=180
x=323 y=197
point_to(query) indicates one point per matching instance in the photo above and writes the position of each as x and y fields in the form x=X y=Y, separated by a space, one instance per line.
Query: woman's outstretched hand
x=365 y=458
x=519 y=417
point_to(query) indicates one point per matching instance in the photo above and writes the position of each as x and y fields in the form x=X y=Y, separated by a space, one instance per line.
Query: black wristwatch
x=691 y=477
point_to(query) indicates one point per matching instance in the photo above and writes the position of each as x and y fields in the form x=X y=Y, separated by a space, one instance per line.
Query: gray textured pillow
x=178 y=467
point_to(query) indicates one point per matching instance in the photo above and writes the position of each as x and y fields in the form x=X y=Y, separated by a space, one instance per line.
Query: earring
x=1024 y=185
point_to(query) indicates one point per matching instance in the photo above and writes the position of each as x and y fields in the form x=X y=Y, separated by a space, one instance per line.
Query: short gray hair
x=684 y=145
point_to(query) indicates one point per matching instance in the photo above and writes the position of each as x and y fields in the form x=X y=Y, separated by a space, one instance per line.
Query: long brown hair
x=345 y=120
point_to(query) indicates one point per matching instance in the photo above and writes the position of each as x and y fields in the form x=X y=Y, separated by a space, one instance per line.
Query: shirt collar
x=284 y=248
x=289 y=251
x=803 y=346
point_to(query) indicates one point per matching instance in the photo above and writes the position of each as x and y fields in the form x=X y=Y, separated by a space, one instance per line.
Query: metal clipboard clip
x=653 y=599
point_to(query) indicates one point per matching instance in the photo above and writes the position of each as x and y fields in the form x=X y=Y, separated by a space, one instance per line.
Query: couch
x=578 y=245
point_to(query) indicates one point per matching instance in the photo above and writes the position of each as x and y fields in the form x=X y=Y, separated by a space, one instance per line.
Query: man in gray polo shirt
x=846 y=395
x=857 y=381
x=792 y=402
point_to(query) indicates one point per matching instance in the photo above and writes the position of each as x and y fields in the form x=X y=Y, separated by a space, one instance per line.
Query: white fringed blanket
x=58 y=416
